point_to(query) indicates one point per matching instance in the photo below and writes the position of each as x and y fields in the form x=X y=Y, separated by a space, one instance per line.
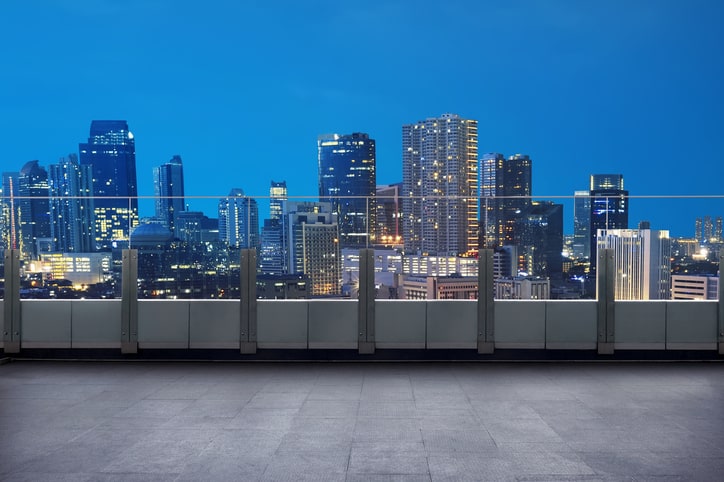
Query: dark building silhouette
x=540 y=231
x=389 y=215
x=347 y=180
x=111 y=151
x=168 y=183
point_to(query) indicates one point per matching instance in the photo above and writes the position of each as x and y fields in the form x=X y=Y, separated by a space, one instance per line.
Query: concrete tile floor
x=189 y=421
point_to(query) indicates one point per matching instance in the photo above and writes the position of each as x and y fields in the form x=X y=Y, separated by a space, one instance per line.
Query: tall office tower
x=708 y=229
x=388 y=231
x=277 y=198
x=111 y=151
x=440 y=185
x=71 y=205
x=34 y=209
x=699 y=229
x=272 y=253
x=239 y=220
x=516 y=190
x=313 y=234
x=347 y=180
x=168 y=185
x=540 y=237
x=581 y=224
x=490 y=185
x=717 y=236
x=642 y=259
x=609 y=207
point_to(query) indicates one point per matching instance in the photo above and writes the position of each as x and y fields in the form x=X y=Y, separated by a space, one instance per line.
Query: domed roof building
x=150 y=235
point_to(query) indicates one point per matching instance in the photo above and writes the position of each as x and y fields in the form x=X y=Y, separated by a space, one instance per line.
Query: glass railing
x=664 y=247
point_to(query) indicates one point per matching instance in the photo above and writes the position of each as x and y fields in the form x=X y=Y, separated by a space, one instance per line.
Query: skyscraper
x=239 y=220
x=34 y=209
x=168 y=184
x=490 y=185
x=540 y=237
x=71 y=205
x=347 y=180
x=277 y=198
x=111 y=151
x=440 y=184
x=609 y=207
x=273 y=252
x=516 y=187
x=642 y=259
x=313 y=234
x=582 y=224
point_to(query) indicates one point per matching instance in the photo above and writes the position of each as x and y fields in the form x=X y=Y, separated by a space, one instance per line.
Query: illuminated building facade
x=347 y=180
x=277 y=198
x=239 y=220
x=642 y=259
x=539 y=232
x=694 y=287
x=522 y=288
x=440 y=288
x=515 y=189
x=440 y=185
x=168 y=184
x=111 y=151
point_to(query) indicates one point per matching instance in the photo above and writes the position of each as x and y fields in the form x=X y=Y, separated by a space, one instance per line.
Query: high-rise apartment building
x=642 y=259
x=34 y=210
x=582 y=224
x=111 y=151
x=71 y=205
x=609 y=207
x=707 y=231
x=347 y=180
x=239 y=220
x=313 y=250
x=440 y=185
x=168 y=185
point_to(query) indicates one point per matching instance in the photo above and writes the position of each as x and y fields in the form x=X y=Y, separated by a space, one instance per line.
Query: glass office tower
x=347 y=180
x=111 y=151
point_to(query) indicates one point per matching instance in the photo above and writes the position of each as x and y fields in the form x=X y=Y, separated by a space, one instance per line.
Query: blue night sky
x=241 y=89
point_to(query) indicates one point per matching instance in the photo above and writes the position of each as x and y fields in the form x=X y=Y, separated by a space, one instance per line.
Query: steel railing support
x=247 y=275
x=366 y=302
x=486 y=303
x=129 y=301
x=11 y=330
x=605 y=296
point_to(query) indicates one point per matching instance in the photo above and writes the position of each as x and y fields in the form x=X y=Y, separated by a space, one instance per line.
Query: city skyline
x=631 y=88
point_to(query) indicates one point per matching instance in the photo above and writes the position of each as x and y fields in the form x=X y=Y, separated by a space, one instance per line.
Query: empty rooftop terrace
x=178 y=421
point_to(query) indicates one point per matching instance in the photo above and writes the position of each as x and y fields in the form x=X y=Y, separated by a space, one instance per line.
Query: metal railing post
x=366 y=302
x=605 y=297
x=486 y=303
x=129 y=301
x=11 y=330
x=247 y=275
